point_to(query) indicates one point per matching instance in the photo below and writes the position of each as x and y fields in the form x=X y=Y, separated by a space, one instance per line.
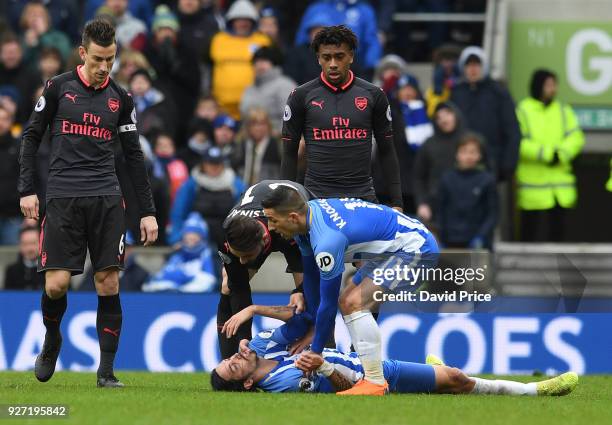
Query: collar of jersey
x=86 y=84
x=341 y=88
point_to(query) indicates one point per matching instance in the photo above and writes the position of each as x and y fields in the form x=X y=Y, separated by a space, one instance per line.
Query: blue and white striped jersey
x=348 y=230
x=286 y=377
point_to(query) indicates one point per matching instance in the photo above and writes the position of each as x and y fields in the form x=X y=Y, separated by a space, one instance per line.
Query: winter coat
x=467 y=208
x=187 y=196
x=270 y=92
x=435 y=156
x=232 y=69
x=488 y=109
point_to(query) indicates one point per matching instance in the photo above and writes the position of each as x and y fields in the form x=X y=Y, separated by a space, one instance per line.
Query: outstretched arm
x=314 y=361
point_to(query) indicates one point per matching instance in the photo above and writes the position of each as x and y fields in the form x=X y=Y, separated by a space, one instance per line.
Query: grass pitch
x=173 y=398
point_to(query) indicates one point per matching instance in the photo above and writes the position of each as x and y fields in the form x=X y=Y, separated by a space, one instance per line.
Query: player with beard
x=248 y=244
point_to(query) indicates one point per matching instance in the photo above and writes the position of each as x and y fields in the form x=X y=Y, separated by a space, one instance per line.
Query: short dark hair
x=99 y=30
x=284 y=199
x=243 y=233
x=335 y=35
x=219 y=384
x=471 y=137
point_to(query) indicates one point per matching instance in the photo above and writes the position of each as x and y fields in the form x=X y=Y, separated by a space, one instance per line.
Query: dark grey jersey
x=85 y=124
x=338 y=124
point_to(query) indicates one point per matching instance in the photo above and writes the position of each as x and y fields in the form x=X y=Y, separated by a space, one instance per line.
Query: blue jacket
x=183 y=204
x=359 y=16
x=190 y=269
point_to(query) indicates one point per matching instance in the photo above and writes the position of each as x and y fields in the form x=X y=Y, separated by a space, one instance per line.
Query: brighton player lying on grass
x=332 y=232
x=264 y=363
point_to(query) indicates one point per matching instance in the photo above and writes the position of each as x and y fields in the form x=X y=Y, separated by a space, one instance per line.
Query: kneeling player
x=264 y=363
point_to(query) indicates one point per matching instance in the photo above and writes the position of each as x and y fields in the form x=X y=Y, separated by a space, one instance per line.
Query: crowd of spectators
x=210 y=79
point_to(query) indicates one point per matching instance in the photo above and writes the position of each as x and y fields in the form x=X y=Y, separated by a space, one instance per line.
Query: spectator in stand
x=191 y=268
x=467 y=197
x=50 y=63
x=14 y=73
x=129 y=62
x=199 y=22
x=130 y=32
x=271 y=88
x=488 y=109
x=207 y=108
x=445 y=76
x=436 y=156
x=200 y=138
x=10 y=214
x=37 y=34
x=260 y=157
x=387 y=76
x=141 y=9
x=175 y=63
x=301 y=65
x=268 y=25
x=155 y=111
x=418 y=127
x=225 y=128
x=131 y=278
x=231 y=52
x=22 y=274
x=388 y=72
x=552 y=139
x=357 y=15
x=211 y=190
x=65 y=15
x=175 y=169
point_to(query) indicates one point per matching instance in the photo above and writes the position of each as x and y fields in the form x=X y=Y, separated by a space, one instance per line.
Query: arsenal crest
x=361 y=103
x=113 y=104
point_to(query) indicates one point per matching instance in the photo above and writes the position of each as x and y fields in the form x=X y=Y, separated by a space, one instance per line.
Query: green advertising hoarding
x=580 y=53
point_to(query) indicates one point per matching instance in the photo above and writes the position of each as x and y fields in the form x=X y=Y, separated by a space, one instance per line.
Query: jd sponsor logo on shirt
x=325 y=261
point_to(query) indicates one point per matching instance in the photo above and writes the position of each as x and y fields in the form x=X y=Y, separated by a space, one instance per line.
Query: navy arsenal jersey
x=338 y=124
x=84 y=123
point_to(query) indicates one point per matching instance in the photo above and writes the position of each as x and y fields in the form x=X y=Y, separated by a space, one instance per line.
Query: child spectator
x=191 y=267
x=156 y=111
x=207 y=108
x=175 y=169
x=200 y=138
x=50 y=63
x=467 y=211
x=225 y=128
x=211 y=190
x=418 y=126
x=436 y=156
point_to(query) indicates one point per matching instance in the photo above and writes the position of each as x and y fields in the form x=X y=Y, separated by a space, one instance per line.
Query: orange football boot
x=364 y=387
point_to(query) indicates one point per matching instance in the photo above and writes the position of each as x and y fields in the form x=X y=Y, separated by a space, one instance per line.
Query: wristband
x=298 y=290
x=326 y=369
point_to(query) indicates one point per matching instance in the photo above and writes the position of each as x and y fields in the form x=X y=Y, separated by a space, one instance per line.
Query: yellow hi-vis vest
x=546 y=129
x=609 y=183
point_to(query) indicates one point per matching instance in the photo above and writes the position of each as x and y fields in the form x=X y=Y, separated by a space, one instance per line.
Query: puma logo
x=112 y=332
x=71 y=97
x=319 y=104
